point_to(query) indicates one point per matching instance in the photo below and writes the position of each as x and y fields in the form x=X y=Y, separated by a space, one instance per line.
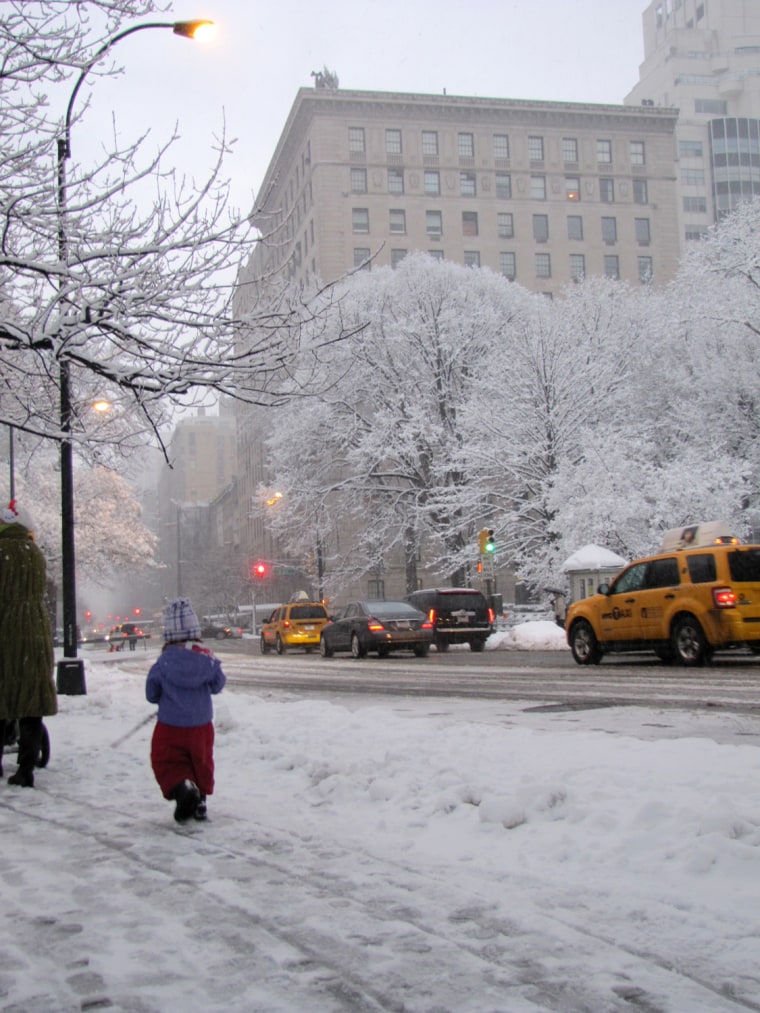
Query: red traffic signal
x=260 y=570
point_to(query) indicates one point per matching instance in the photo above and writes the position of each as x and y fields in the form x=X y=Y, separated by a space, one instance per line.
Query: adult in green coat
x=27 y=690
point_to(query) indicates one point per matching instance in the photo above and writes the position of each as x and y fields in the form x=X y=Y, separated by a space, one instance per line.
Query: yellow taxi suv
x=698 y=595
x=297 y=624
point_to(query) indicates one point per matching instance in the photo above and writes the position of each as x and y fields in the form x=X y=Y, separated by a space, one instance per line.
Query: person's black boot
x=200 y=810
x=23 y=776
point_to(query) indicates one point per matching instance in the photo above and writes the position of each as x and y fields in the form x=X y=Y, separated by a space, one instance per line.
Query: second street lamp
x=70 y=671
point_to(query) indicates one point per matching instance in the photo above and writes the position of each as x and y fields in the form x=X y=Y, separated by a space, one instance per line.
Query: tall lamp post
x=70 y=671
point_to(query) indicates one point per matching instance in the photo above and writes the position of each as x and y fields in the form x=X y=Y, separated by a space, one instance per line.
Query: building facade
x=192 y=534
x=540 y=192
x=703 y=56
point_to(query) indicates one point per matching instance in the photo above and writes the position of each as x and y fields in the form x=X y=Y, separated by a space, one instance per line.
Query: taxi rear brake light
x=724 y=597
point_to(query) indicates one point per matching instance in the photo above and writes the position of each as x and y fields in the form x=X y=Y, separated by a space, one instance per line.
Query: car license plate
x=404 y=625
x=309 y=627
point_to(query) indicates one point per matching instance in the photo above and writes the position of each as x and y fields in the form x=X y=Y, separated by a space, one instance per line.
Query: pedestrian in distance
x=182 y=681
x=27 y=690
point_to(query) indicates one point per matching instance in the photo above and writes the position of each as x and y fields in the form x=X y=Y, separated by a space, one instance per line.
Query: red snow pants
x=179 y=754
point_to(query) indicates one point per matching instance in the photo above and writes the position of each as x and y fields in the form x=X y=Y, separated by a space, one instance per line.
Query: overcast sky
x=264 y=50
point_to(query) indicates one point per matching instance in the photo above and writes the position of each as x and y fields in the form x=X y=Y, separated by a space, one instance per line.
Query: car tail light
x=491 y=616
x=431 y=616
x=724 y=597
x=374 y=625
x=427 y=625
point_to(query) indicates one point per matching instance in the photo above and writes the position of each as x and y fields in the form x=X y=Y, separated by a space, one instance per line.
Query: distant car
x=377 y=625
x=125 y=633
x=213 y=631
x=296 y=624
x=460 y=615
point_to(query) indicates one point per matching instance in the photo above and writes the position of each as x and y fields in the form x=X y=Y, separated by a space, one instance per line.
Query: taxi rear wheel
x=688 y=640
x=281 y=648
x=584 y=645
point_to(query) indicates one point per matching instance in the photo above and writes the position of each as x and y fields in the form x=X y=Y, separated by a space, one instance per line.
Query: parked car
x=381 y=626
x=460 y=615
x=699 y=594
x=296 y=624
x=213 y=631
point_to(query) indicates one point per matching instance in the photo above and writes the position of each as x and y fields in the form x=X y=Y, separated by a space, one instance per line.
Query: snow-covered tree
x=129 y=293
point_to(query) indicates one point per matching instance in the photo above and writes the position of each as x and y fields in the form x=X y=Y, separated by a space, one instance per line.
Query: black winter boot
x=23 y=776
x=187 y=797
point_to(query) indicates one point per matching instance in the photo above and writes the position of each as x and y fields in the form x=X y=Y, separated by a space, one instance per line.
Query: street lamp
x=70 y=671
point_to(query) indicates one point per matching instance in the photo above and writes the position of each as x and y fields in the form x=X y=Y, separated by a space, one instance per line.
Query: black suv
x=459 y=615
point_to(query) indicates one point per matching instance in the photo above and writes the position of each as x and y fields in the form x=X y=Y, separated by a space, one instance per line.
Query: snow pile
x=543 y=635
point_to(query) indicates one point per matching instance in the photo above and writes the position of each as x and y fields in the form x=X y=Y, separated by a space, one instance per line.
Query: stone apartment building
x=541 y=192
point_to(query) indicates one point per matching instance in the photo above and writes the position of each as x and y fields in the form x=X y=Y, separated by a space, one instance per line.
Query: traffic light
x=260 y=570
x=486 y=542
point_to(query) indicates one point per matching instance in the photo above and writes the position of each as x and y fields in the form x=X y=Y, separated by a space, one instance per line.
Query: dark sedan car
x=381 y=626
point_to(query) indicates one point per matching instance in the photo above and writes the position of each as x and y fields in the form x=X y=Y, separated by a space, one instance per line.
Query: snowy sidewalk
x=398 y=855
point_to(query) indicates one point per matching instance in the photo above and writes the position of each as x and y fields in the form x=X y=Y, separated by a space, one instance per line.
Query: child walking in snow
x=182 y=682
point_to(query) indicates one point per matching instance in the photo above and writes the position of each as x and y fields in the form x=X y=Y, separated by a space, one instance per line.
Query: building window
x=637 y=152
x=471 y=258
x=695 y=205
x=645 y=270
x=397 y=256
x=572 y=188
x=609 y=230
x=640 y=191
x=536 y=149
x=501 y=146
x=541 y=228
x=569 y=149
x=395 y=181
x=711 y=106
x=606 y=190
x=434 y=224
x=574 y=227
x=543 y=265
x=538 y=187
x=466 y=145
x=432 y=181
x=361 y=256
x=505 y=225
x=577 y=266
x=393 y=142
x=436 y=254
x=397 y=220
x=693 y=177
x=430 y=142
x=694 y=232
x=508 y=265
x=503 y=186
x=360 y=219
x=358 y=181
x=469 y=223
x=690 y=149
x=604 y=152
x=467 y=184
x=356 y=139
x=642 y=231
x=612 y=267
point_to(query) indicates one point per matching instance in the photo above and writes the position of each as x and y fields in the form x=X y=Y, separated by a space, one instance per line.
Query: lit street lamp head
x=201 y=31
